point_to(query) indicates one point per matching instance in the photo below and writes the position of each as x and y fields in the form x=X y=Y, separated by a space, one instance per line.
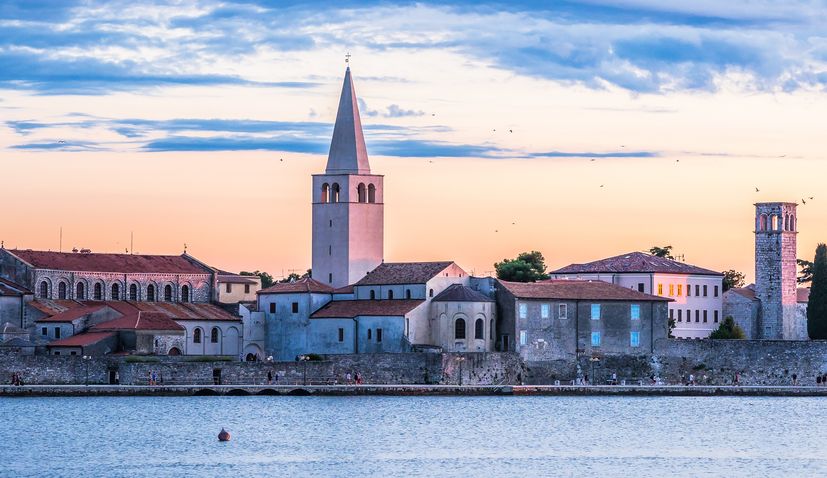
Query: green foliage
x=817 y=305
x=291 y=277
x=665 y=251
x=728 y=330
x=266 y=279
x=527 y=267
x=672 y=325
x=806 y=273
x=733 y=278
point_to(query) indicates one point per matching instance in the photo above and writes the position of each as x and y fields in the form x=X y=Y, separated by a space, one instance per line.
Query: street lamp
x=460 y=359
x=304 y=358
x=594 y=360
x=86 y=359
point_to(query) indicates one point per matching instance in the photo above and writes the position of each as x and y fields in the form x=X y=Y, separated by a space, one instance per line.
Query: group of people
x=821 y=380
x=153 y=378
x=356 y=378
x=16 y=380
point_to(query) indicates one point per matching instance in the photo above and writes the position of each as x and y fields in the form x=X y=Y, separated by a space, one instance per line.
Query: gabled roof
x=81 y=340
x=347 y=309
x=52 y=307
x=300 y=286
x=460 y=293
x=140 y=321
x=227 y=277
x=186 y=310
x=745 y=292
x=102 y=262
x=577 y=290
x=72 y=314
x=12 y=289
x=635 y=262
x=395 y=273
x=348 y=153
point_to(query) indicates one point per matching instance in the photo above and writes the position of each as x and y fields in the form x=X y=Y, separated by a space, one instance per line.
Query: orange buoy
x=223 y=435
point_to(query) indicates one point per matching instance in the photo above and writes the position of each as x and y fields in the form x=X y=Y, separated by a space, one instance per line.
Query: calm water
x=422 y=436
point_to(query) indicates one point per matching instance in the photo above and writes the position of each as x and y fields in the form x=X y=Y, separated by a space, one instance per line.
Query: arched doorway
x=174 y=351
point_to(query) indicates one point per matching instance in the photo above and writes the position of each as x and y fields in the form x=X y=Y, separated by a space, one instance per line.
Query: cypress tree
x=817 y=305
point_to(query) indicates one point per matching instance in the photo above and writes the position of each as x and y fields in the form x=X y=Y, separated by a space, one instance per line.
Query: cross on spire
x=347 y=57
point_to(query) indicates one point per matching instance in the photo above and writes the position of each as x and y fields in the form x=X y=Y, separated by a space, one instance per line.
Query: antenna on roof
x=185 y=248
x=131 y=241
x=60 y=242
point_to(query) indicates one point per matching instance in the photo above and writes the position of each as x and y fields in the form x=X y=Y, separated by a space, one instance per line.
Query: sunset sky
x=580 y=129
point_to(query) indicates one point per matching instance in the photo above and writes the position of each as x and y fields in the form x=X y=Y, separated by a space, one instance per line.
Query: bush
x=728 y=330
x=315 y=357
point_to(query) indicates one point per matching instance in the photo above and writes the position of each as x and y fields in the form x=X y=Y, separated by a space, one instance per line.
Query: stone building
x=566 y=319
x=696 y=293
x=463 y=320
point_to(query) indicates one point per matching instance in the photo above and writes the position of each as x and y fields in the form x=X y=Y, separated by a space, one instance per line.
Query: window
x=214 y=335
x=562 y=311
x=715 y=316
x=272 y=307
x=671 y=314
x=370 y=333
x=390 y=294
x=334 y=193
x=325 y=192
x=479 y=329
x=689 y=290
x=330 y=223
x=688 y=315
x=697 y=315
x=246 y=289
x=329 y=250
x=228 y=287
x=168 y=293
x=44 y=331
x=595 y=339
x=704 y=291
x=185 y=293
x=679 y=315
x=523 y=311
x=635 y=311
x=407 y=293
x=44 y=290
x=57 y=332
x=660 y=289
x=360 y=192
x=371 y=193
x=705 y=314
x=196 y=336
x=378 y=335
x=634 y=339
x=523 y=337
x=680 y=290
x=715 y=293
x=544 y=311
x=459 y=329
x=640 y=287
x=595 y=312
x=57 y=352
x=373 y=294
x=697 y=290
x=73 y=353
x=61 y=290
x=341 y=334
x=80 y=291
x=671 y=290
x=431 y=293
x=98 y=294
x=150 y=293
x=295 y=307
x=116 y=292
x=330 y=278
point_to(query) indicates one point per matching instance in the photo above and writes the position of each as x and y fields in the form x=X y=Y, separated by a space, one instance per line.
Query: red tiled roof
x=347 y=289
x=356 y=308
x=72 y=314
x=81 y=340
x=461 y=293
x=187 y=310
x=102 y=262
x=52 y=307
x=389 y=273
x=802 y=294
x=235 y=279
x=300 y=286
x=635 y=262
x=12 y=289
x=140 y=321
x=577 y=290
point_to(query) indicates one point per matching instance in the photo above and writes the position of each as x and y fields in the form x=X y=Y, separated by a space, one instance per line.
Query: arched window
x=185 y=293
x=775 y=225
x=334 y=193
x=360 y=193
x=150 y=293
x=459 y=329
x=196 y=336
x=786 y=222
x=325 y=192
x=116 y=291
x=792 y=222
x=479 y=329
x=133 y=292
x=98 y=292
x=168 y=293
x=80 y=291
x=371 y=193
x=407 y=293
x=372 y=294
x=44 y=290
x=61 y=290
x=390 y=294
x=214 y=335
x=762 y=222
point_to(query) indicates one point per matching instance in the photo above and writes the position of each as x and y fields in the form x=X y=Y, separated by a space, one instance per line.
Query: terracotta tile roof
x=746 y=292
x=52 y=307
x=347 y=289
x=356 y=308
x=461 y=293
x=187 y=310
x=102 y=262
x=802 y=294
x=235 y=279
x=635 y=262
x=298 y=287
x=140 y=321
x=12 y=289
x=81 y=340
x=577 y=290
x=389 y=273
x=72 y=314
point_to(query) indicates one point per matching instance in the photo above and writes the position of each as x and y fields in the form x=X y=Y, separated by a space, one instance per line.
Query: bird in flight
x=61 y=142
x=511 y=131
x=803 y=202
x=601 y=185
x=756 y=190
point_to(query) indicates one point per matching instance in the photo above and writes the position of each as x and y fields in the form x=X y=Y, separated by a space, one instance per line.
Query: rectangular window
x=378 y=335
x=634 y=339
x=679 y=314
x=671 y=290
x=523 y=311
x=44 y=331
x=688 y=290
x=544 y=311
x=671 y=314
x=246 y=288
x=562 y=311
x=329 y=250
x=715 y=293
x=715 y=315
x=57 y=332
x=370 y=333
x=704 y=291
x=228 y=287
x=341 y=334
x=272 y=307
x=595 y=339
x=640 y=287
x=697 y=315
x=295 y=307
x=73 y=353
x=636 y=311
x=57 y=352
x=523 y=337
x=330 y=278
x=595 y=312
x=680 y=290
x=705 y=316
x=660 y=289
x=697 y=290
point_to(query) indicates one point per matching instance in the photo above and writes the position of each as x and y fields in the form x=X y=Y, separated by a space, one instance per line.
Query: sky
x=579 y=129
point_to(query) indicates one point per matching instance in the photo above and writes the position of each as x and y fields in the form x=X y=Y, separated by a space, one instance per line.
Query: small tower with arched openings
x=776 y=227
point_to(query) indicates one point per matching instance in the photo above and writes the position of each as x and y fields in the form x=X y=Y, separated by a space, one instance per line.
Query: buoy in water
x=223 y=435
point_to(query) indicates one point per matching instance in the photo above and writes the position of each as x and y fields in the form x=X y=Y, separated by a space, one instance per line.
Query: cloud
x=582 y=154
x=413 y=148
x=288 y=144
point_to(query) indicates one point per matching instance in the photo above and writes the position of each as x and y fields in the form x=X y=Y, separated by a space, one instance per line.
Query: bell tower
x=775 y=270
x=348 y=208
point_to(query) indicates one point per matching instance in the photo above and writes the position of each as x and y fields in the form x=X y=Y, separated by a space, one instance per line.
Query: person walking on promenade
x=614 y=378
x=586 y=379
x=347 y=378
x=691 y=379
x=269 y=377
x=795 y=379
x=818 y=380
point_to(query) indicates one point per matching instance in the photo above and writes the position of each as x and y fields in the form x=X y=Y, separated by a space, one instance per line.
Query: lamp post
x=594 y=360
x=460 y=359
x=86 y=359
x=304 y=358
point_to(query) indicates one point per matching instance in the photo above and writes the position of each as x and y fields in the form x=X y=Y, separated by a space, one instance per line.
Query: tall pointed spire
x=348 y=154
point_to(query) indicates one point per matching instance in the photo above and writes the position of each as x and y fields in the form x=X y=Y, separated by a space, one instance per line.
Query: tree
x=672 y=325
x=733 y=278
x=291 y=277
x=806 y=273
x=266 y=279
x=665 y=252
x=527 y=267
x=728 y=330
x=817 y=305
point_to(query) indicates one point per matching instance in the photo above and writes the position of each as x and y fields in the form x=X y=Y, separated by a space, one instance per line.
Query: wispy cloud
x=585 y=154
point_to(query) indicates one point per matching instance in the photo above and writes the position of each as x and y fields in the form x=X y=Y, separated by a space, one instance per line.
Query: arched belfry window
x=61 y=290
x=44 y=290
x=325 y=192
x=459 y=329
x=133 y=292
x=479 y=329
x=80 y=291
x=116 y=291
x=792 y=222
x=762 y=222
x=98 y=292
x=360 y=193
x=185 y=293
x=371 y=193
x=150 y=293
x=334 y=192
x=168 y=293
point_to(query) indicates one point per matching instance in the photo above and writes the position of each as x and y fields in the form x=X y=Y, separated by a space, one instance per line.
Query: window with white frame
x=595 y=339
x=634 y=339
x=523 y=311
x=562 y=311
x=523 y=337
x=595 y=312
x=544 y=311
x=635 y=311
